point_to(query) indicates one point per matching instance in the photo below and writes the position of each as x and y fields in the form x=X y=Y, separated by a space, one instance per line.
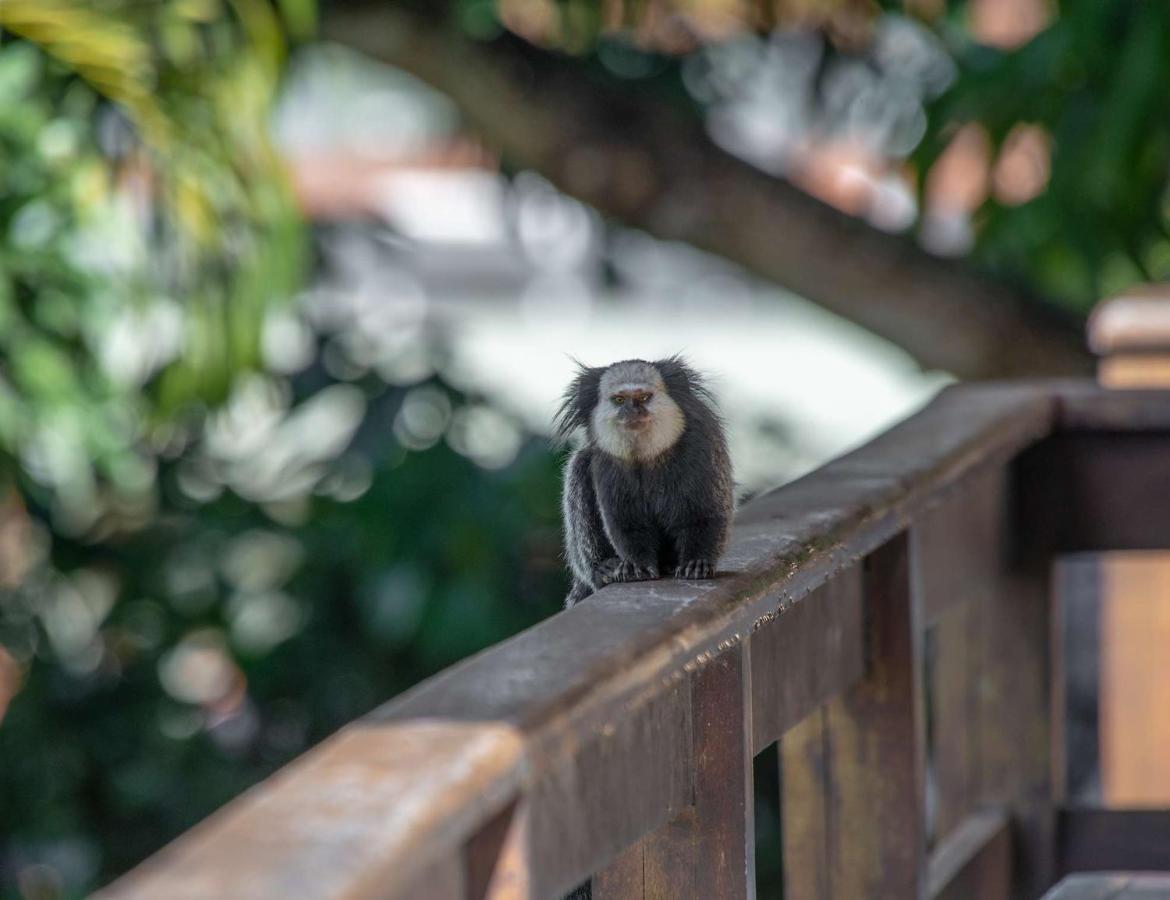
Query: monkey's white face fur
x=635 y=418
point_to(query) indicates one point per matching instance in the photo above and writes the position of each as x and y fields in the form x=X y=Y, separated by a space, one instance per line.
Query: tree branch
x=648 y=165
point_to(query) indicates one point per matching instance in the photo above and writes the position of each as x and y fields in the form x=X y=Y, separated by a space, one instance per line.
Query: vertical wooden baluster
x=1015 y=758
x=1077 y=595
x=957 y=558
x=955 y=715
x=445 y=879
x=669 y=859
x=636 y=765
x=708 y=850
x=804 y=793
x=873 y=748
x=1016 y=740
x=725 y=858
x=622 y=879
x=495 y=859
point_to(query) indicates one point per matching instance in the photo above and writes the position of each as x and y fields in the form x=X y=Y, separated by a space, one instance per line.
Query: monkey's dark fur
x=651 y=490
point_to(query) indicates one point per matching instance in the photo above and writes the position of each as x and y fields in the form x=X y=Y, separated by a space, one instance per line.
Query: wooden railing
x=887 y=618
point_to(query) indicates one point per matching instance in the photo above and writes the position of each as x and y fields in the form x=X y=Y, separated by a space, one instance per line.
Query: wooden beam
x=708 y=850
x=495 y=860
x=975 y=861
x=618 y=780
x=1093 y=839
x=1098 y=491
x=869 y=770
x=409 y=790
x=1083 y=405
x=954 y=719
x=806 y=790
x=1077 y=586
x=806 y=654
x=1112 y=886
x=958 y=545
x=1018 y=751
x=724 y=849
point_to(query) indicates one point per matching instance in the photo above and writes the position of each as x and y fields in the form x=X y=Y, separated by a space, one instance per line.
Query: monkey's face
x=635 y=418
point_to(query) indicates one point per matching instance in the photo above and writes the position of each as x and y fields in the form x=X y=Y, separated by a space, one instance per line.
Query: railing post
x=708 y=850
x=868 y=764
x=1017 y=750
x=958 y=550
x=495 y=859
x=725 y=858
x=1131 y=335
x=954 y=686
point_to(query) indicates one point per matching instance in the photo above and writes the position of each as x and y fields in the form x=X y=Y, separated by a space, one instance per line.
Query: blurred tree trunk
x=649 y=165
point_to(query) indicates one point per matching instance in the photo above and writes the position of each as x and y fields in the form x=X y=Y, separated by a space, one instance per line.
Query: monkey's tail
x=578 y=592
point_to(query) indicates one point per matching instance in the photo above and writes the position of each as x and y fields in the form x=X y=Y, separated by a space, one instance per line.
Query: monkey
x=651 y=490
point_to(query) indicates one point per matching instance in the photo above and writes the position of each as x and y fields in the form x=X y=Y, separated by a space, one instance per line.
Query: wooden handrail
x=616 y=739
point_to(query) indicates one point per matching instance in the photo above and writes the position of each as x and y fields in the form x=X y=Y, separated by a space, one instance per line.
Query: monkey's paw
x=606 y=571
x=695 y=570
x=628 y=571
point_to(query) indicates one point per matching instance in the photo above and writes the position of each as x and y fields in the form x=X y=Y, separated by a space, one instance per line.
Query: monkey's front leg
x=625 y=570
x=698 y=545
x=637 y=548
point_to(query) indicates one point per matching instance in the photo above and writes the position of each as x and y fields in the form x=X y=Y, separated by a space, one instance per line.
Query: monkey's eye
x=618 y=399
x=646 y=398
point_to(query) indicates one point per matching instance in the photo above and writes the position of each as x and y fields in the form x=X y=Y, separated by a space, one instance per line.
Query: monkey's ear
x=578 y=401
x=681 y=380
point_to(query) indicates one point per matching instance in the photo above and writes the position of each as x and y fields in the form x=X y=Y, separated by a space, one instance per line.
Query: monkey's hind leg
x=578 y=592
x=589 y=553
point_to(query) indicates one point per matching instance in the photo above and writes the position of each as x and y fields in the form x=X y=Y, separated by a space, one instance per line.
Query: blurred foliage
x=145 y=227
x=1093 y=80
x=168 y=669
x=203 y=572
x=1088 y=85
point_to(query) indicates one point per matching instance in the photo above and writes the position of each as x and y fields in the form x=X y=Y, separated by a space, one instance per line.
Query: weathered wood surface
x=1085 y=406
x=974 y=862
x=954 y=688
x=806 y=654
x=709 y=849
x=659 y=866
x=868 y=770
x=806 y=808
x=1138 y=318
x=338 y=821
x=1134 y=672
x=1112 y=886
x=592 y=724
x=1077 y=587
x=1091 y=491
x=1131 y=839
x=960 y=559
x=1017 y=746
x=960 y=546
x=1131 y=335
